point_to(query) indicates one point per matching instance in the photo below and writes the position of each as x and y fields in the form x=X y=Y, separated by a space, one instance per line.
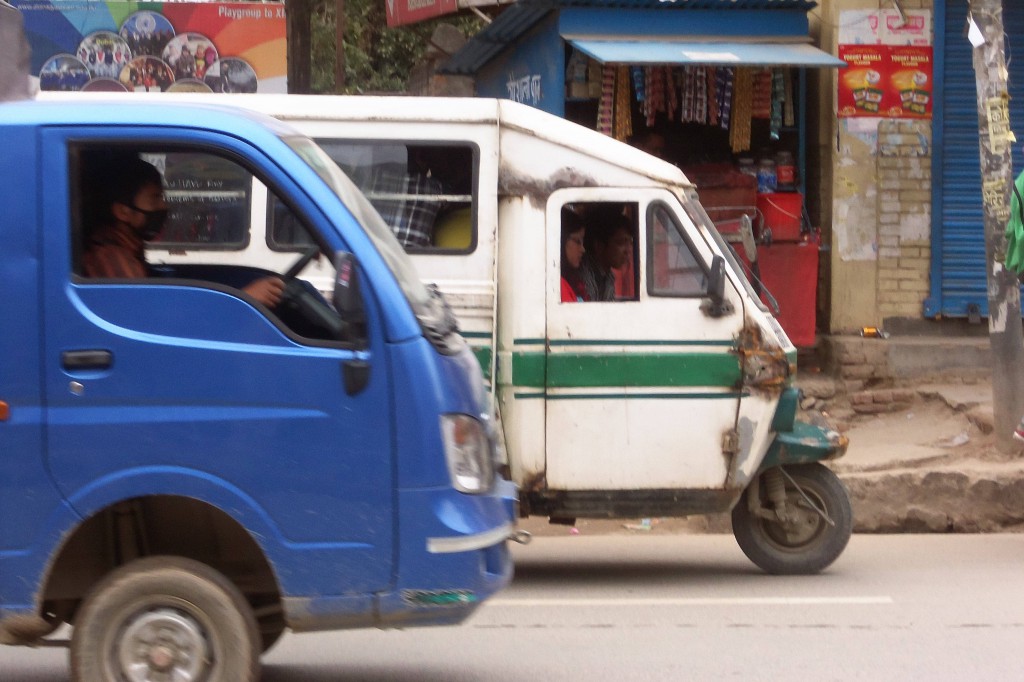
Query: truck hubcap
x=163 y=645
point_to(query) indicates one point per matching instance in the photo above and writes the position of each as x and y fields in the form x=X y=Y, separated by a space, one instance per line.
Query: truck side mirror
x=347 y=298
x=715 y=304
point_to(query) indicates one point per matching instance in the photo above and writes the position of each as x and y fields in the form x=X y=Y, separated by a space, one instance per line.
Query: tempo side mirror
x=715 y=304
x=747 y=238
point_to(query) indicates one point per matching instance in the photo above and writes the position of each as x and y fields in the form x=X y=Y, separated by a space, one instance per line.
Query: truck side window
x=209 y=200
x=424 y=192
x=285 y=231
x=187 y=217
x=672 y=267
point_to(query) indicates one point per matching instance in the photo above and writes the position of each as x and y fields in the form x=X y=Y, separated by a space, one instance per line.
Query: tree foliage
x=377 y=58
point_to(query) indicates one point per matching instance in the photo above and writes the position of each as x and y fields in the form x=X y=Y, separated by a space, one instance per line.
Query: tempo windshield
x=700 y=217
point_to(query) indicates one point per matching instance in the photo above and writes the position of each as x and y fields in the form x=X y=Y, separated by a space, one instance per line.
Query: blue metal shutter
x=958 y=281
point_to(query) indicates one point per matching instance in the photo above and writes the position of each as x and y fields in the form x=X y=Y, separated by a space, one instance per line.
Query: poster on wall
x=862 y=83
x=910 y=82
x=889 y=64
x=84 y=45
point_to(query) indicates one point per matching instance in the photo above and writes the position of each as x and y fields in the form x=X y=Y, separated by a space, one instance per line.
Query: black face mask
x=154 y=222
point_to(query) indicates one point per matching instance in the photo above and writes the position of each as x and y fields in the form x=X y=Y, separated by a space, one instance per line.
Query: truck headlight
x=468 y=451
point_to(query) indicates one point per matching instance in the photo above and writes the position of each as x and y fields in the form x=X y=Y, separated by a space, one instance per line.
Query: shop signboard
x=527 y=73
x=85 y=45
x=889 y=59
x=401 y=12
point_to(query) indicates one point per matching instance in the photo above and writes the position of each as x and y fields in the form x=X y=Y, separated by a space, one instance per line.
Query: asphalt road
x=691 y=607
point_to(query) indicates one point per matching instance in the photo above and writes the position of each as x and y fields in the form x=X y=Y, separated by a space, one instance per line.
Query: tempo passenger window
x=598 y=254
x=425 y=192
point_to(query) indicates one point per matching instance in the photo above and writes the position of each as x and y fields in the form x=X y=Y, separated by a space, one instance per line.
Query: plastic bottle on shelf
x=767 y=180
x=785 y=171
x=746 y=165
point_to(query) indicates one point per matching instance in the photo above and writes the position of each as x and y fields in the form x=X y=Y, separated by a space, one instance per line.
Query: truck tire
x=805 y=543
x=165 y=617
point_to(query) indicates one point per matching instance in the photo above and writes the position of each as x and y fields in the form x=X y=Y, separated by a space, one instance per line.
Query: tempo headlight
x=468 y=451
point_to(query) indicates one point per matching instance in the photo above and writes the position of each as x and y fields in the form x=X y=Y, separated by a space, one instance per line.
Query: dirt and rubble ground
x=922 y=458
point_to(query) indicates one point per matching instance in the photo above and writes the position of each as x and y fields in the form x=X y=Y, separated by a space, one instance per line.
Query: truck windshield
x=425 y=301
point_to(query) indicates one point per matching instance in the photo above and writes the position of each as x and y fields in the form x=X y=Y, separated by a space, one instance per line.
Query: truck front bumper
x=452 y=555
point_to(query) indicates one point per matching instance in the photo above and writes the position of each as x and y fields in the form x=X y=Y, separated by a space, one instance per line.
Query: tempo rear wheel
x=803 y=542
x=165 y=618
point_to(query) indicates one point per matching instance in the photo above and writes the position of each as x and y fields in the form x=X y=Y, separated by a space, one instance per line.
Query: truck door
x=641 y=391
x=190 y=387
x=26 y=493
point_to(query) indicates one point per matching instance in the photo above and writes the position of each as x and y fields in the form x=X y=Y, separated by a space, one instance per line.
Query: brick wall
x=904 y=216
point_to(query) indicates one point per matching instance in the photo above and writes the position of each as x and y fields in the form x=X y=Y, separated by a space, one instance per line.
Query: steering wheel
x=298 y=266
x=304 y=310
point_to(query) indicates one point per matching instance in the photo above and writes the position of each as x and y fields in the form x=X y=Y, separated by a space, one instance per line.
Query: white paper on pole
x=974 y=33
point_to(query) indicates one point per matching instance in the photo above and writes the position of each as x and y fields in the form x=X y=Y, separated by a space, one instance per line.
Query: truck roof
x=505 y=114
x=117 y=111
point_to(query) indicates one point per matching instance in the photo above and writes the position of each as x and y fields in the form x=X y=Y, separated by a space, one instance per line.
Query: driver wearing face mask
x=135 y=214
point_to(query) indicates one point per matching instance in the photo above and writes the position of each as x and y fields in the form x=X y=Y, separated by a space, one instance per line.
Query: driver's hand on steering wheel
x=267 y=290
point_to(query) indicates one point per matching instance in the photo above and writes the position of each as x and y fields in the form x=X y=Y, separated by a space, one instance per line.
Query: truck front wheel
x=165 y=617
x=802 y=541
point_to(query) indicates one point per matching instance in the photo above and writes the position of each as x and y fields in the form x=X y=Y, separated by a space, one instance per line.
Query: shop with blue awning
x=568 y=57
x=718 y=87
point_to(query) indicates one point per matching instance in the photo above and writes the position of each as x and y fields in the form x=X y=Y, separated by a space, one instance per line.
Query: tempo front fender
x=804 y=444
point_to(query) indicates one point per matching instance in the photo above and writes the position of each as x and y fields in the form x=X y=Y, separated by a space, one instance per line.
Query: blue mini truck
x=185 y=473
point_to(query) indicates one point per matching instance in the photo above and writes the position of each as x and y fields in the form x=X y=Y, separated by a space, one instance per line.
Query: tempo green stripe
x=592 y=370
x=518 y=396
x=727 y=343
x=654 y=369
x=483 y=356
x=645 y=396
x=619 y=343
x=631 y=396
x=529 y=342
x=476 y=335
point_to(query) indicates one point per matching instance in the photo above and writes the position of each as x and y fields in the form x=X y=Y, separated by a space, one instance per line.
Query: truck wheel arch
x=161 y=524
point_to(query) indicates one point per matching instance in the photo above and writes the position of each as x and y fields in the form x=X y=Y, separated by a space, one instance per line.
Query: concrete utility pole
x=995 y=141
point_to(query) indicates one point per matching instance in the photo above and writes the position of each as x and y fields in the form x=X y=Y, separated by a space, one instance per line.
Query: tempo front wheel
x=802 y=541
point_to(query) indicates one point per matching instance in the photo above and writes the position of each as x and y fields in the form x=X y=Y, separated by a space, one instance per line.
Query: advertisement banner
x=401 y=12
x=885 y=27
x=84 y=45
x=913 y=27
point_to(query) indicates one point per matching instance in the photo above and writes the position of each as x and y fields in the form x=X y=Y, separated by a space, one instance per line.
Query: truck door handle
x=87 y=359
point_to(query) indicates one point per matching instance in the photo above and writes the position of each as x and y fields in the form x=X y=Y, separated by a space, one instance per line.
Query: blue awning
x=647 y=51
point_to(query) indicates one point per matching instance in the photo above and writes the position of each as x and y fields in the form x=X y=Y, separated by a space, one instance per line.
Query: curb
x=943 y=501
